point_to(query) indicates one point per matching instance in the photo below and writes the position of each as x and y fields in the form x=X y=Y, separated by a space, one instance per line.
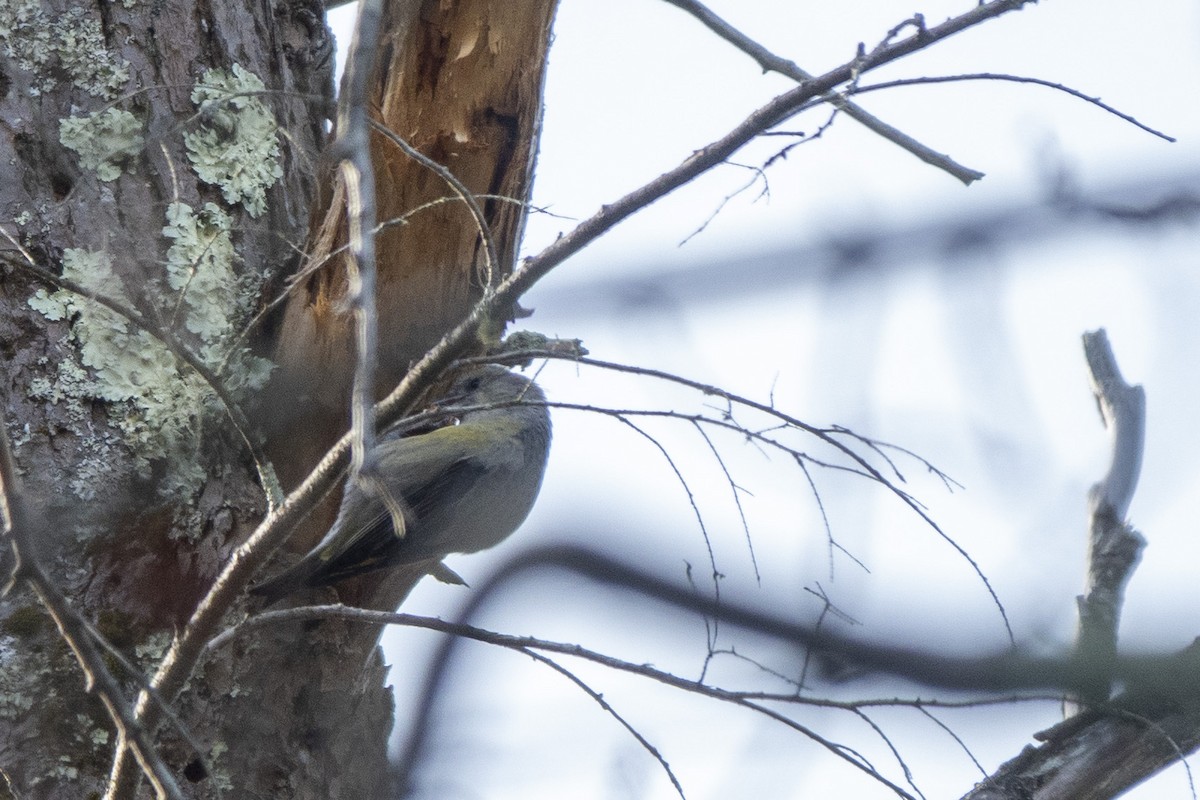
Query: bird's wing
x=374 y=544
x=447 y=471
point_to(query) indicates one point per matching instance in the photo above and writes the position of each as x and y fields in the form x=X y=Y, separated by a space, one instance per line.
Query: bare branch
x=1123 y=409
x=1114 y=547
x=825 y=435
x=352 y=147
x=1166 y=680
x=773 y=63
x=1100 y=753
x=1109 y=746
x=700 y=161
x=529 y=646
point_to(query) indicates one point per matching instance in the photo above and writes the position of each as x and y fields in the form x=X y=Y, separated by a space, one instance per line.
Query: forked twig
x=774 y=63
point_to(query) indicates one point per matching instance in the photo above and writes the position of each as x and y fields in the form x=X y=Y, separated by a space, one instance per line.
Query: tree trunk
x=164 y=156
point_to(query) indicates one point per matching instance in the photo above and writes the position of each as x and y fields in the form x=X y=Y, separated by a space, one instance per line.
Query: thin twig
x=773 y=63
x=999 y=76
x=622 y=416
x=736 y=491
x=353 y=149
x=850 y=756
x=957 y=739
x=887 y=741
x=825 y=435
x=612 y=712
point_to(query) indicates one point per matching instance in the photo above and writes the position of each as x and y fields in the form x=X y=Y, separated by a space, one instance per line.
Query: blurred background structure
x=847 y=283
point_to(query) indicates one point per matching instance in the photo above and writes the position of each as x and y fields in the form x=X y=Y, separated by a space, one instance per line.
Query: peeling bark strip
x=460 y=82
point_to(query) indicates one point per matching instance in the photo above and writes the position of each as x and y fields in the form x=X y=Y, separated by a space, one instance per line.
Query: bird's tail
x=297 y=577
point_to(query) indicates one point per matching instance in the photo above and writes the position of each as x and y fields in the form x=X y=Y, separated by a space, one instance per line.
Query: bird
x=457 y=489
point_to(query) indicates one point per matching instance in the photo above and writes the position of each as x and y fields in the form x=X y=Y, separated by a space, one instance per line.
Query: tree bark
x=108 y=167
x=165 y=156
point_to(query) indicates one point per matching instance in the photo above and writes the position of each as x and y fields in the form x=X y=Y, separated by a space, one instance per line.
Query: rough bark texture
x=1101 y=754
x=107 y=164
x=165 y=155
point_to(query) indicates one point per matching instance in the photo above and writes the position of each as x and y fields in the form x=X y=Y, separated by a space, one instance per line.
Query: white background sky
x=972 y=360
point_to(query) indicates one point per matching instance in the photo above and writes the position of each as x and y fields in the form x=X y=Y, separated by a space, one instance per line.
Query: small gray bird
x=462 y=488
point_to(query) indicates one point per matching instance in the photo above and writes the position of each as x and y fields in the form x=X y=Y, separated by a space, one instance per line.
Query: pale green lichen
x=126 y=367
x=87 y=728
x=208 y=292
x=46 y=45
x=159 y=405
x=235 y=147
x=200 y=269
x=36 y=218
x=153 y=649
x=40 y=687
x=14 y=705
x=103 y=140
x=125 y=361
x=220 y=775
x=184 y=479
x=63 y=769
x=20 y=668
x=20 y=437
